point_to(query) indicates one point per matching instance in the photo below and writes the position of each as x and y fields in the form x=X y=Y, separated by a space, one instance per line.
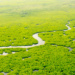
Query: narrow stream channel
x=35 y=36
x=40 y=42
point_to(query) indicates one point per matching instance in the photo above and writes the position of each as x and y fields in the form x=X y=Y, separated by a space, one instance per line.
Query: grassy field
x=20 y=19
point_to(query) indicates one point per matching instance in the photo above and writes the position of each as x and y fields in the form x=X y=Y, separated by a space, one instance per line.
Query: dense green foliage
x=45 y=59
x=18 y=26
x=20 y=19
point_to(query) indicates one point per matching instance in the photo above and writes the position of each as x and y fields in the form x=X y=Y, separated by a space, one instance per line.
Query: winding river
x=35 y=36
x=40 y=42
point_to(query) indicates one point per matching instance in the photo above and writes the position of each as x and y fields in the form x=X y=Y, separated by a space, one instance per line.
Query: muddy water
x=4 y=53
x=35 y=36
x=69 y=28
x=70 y=49
x=4 y=73
x=40 y=42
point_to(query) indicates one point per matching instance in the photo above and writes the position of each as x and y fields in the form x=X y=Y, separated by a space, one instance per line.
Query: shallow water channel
x=35 y=36
x=40 y=42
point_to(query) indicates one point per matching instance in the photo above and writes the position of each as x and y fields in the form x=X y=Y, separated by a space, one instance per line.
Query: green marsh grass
x=20 y=19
